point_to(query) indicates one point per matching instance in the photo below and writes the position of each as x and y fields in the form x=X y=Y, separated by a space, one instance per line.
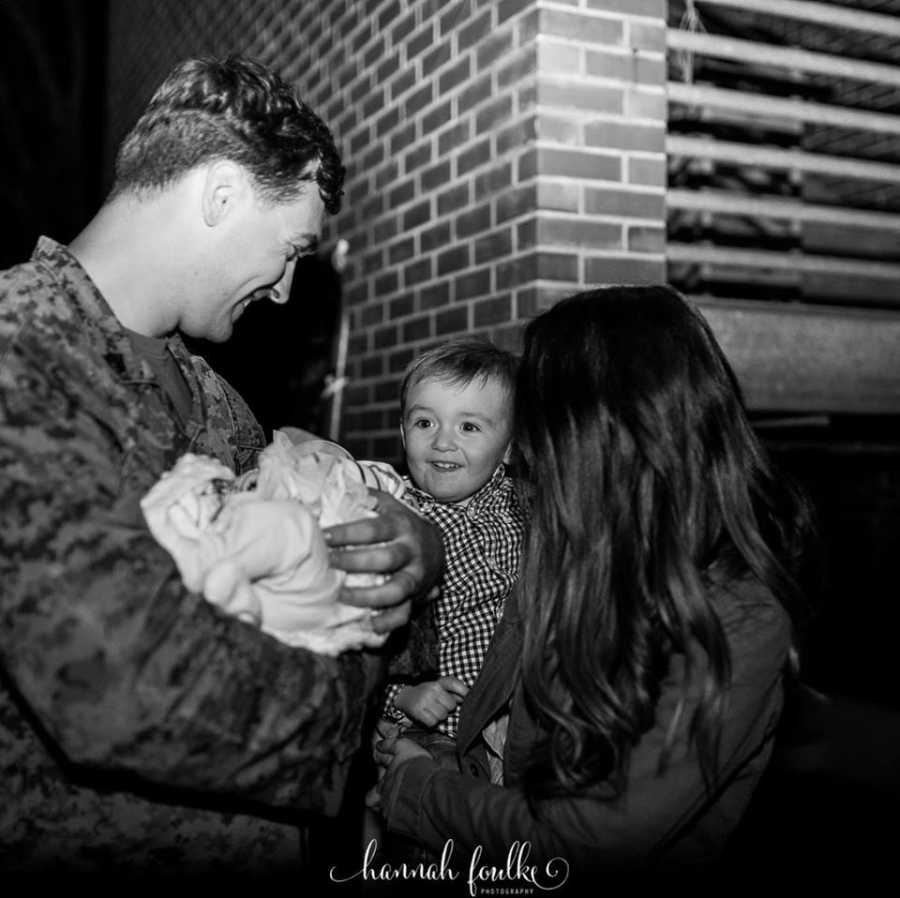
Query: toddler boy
x=456 y=426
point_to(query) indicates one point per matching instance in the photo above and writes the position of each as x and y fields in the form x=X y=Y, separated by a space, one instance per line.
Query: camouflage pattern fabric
x=141 y=729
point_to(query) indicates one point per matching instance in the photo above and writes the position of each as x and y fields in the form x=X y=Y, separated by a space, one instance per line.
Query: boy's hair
x=460 y=361
x=234 y=109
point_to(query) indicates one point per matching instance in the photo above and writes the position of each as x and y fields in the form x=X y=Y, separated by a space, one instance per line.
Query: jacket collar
x=97 y=320
x=496 y=681
x=99 y=324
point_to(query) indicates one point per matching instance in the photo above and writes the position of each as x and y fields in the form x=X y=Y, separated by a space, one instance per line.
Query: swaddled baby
x=254 y=545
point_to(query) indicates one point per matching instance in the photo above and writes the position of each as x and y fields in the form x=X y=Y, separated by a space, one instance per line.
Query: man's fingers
x=392 y=618
x=364 y=531
x=397 y=543
x=397 y=588
x=361 y=532
x=382 y=557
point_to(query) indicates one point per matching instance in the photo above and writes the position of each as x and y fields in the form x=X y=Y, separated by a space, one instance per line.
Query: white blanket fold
x=254 y=546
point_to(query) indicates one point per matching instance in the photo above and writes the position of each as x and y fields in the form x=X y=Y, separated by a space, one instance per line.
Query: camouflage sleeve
x=119 y=666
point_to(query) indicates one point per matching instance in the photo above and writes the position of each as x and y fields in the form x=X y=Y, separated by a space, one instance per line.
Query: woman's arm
x=424 y=802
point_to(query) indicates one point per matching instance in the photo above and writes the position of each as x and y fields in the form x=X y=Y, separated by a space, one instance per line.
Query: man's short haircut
x=460 y=361
x=236 y=109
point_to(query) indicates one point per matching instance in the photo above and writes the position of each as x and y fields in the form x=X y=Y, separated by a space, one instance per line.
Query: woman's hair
x=232 y=109
x=649 y=483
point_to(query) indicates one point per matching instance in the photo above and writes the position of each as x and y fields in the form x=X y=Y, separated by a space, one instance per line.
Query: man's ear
x=507 y=454
x=224 y=186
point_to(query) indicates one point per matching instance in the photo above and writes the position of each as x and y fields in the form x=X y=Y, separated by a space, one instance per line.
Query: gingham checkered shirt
x=482 y=544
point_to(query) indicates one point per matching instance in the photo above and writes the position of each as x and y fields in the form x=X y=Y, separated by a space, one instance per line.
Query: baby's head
x=456 y=416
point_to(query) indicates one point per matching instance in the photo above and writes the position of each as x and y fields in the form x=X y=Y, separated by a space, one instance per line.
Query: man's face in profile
x=256 y=259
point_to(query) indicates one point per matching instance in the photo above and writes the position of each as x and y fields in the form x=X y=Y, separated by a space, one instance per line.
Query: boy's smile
x=455 y=435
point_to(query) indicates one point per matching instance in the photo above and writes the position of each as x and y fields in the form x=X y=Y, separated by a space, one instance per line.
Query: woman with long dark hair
x=627 y=706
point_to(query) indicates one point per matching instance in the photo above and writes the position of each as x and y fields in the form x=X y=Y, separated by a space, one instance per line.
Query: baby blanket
x=254 y=546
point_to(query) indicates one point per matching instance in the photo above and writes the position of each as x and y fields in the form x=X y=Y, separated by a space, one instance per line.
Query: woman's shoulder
x=742 y=594
x=750 y=613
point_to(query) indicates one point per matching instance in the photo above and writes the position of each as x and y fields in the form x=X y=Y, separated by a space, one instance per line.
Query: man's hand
x=397 y=542
x=431 y=702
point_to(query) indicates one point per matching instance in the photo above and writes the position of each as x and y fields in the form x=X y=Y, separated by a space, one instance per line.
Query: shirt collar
x=97 y=316
x=426 y=500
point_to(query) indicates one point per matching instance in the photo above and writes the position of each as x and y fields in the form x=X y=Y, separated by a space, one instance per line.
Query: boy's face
x=455 y=436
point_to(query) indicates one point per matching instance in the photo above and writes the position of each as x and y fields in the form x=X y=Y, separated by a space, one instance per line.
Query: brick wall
x=500 y=154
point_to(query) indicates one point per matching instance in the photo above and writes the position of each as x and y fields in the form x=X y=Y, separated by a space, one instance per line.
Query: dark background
x=842 y=759
x=52 y=78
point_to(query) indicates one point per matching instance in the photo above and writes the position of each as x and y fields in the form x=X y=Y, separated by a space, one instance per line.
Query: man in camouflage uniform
x=141 y=729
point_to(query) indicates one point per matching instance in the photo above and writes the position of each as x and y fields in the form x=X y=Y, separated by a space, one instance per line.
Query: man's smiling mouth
x=241 y=307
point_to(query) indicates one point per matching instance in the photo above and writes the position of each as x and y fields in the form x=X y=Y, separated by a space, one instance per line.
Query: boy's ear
x=507 y=454
x=402 y=435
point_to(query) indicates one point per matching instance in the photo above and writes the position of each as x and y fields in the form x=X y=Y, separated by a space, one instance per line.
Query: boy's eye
x=469 y=427
x=422 y=423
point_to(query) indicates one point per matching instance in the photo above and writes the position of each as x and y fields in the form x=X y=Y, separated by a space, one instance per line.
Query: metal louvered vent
x=784 y=150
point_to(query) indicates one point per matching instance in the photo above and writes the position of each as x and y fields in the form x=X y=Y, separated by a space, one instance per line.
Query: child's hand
x=431 y=702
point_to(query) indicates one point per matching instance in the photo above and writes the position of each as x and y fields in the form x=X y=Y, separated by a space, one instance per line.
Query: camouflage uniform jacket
x=140 y=727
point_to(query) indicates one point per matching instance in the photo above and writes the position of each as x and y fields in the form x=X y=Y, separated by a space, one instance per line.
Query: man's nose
x=281 y=292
